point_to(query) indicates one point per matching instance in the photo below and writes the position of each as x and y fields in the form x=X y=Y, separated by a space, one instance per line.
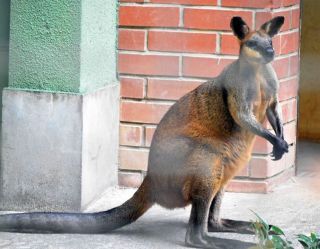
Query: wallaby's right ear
x=239 y=27
x=273 y=26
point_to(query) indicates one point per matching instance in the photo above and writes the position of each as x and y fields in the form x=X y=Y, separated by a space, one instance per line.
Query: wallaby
x=204 y=139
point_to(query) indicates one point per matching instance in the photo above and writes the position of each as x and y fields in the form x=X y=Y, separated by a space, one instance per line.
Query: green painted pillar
x=4 y=44
x=62 y=45
x=61 y=109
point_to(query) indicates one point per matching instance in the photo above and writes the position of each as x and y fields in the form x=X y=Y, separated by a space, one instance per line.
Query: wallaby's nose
x=269 y=54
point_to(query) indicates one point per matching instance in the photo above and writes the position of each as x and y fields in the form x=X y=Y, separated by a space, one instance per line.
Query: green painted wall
x=62 y=45
x=4 y=44
x=98 y=43
x=45 y=45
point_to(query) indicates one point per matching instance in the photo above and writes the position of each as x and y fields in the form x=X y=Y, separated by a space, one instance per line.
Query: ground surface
x=293 y=206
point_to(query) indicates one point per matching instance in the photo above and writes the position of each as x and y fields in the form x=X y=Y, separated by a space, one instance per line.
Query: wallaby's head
x=256 y=46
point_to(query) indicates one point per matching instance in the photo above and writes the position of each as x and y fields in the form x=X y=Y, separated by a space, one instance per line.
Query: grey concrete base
x=59 y=151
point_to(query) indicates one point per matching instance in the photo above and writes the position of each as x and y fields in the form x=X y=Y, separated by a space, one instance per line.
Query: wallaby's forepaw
x=279 y=148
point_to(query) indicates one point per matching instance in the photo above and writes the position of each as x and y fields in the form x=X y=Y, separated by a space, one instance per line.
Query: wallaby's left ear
x=273 y=26
x=239 y=27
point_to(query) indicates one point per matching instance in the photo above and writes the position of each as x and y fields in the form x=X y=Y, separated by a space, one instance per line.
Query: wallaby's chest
x=262 y=98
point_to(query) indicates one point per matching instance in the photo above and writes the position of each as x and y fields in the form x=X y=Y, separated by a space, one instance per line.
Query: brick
x=213 y=19
x=276 y=42
x=244 y=172
x=169 y=89
x=289 y=43
x=247 y=186
x=260 y=167
x=294 y=65
x=149 y=134
x=132 y=87
x=131 y=1
x=288 y=89
x=148 y=64
x=131 y=39
x=247 y=3
x=149 y=16
x=182 y=42
x=133 y=159
x=284 y=3
x=260 y=186
x=229 y=44
x=203 y=67
x=290 y=2
x=130 y=179
x=295 y=19
x=281 y=66
x=262 y=17
x=289 y=110
x=140 y=112
x=265 y=167
x=290 y=132
x=131 y=135
x=262 y=146
x=277 y=4
x=188 y=2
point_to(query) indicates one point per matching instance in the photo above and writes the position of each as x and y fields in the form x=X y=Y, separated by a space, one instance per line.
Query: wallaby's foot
x=231 y=226
x=205 y=241
x=198 y=241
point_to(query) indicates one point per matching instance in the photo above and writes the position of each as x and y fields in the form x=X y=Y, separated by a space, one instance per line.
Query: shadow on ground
x=294 y=206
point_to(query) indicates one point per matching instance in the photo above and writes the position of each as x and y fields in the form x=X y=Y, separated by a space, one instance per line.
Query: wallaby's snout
x=268 y=54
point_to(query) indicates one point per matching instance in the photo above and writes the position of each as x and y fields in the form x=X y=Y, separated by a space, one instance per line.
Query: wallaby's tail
x=101 y=222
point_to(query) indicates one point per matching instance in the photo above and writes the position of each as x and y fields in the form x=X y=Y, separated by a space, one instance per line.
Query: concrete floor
x=293 y=206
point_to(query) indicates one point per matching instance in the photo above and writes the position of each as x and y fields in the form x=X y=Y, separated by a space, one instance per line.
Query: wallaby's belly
x=237 y=157
x=176 y=166
x=188 y=141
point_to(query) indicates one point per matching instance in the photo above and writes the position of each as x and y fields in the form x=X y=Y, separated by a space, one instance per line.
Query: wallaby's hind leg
x=216 y=224
x=197 y=232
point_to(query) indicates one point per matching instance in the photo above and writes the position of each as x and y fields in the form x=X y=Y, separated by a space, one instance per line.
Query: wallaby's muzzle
x=268 y=55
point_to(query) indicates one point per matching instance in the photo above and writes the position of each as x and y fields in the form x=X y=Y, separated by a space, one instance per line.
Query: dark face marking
x=262 y=45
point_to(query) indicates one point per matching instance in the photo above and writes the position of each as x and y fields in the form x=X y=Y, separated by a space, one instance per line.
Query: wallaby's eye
x=251 y=44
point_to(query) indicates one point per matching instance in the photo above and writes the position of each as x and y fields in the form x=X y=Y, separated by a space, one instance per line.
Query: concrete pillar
x=60 y=111
x=4 y=44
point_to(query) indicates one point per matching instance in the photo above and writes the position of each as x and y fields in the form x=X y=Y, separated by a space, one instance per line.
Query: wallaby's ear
x=273 y=26
x=239 y=27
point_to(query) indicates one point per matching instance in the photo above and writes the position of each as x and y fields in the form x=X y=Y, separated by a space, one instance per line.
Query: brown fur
x=202 y=142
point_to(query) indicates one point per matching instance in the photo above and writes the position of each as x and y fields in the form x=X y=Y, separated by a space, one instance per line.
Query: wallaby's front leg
x=240 y=108
x=274 y=119
x=216 y=224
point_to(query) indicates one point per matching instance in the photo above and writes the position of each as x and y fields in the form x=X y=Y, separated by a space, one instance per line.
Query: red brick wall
x=168 y=47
